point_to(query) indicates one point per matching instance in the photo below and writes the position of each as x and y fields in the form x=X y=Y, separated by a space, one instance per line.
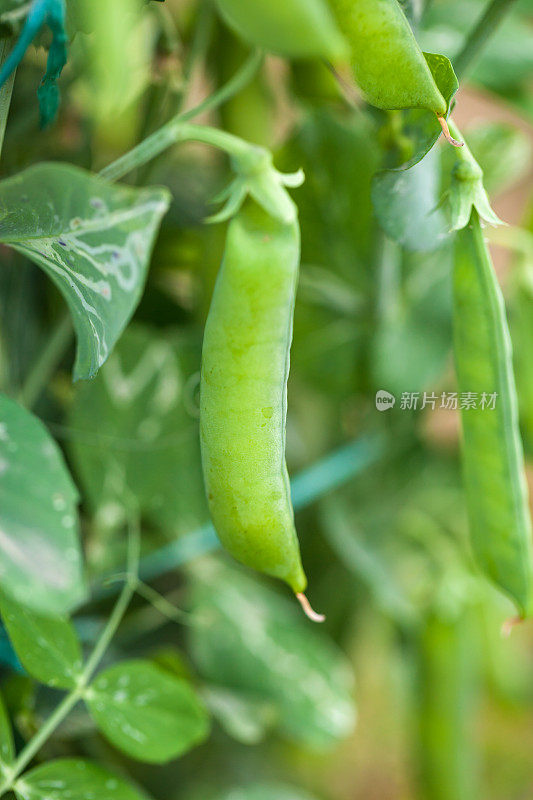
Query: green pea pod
x=448 y=690
x=295 y=28
x=243 y=401
x=494 y=474
x=389 y=66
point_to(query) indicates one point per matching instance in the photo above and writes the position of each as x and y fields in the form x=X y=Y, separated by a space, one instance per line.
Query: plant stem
x=5 y=91
x=482 y=31
x=46 y=362
x=201 y=39
x=77 y=694
x=173 y=132
x=176 y=129
x=128 y=590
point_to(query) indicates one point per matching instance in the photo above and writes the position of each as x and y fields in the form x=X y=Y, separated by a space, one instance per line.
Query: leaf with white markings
x=92 y=238
x=7 y=748
x=242 y=716
x=73 y=779
x=146 y=712
x=136 y=426
x=48 y=647
x=254 y=641
x=40 y=555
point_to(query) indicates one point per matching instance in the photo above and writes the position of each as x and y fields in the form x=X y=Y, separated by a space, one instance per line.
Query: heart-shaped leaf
x=146 y=712
x=136 y=425
x=254 y=641
x=394 y=192
x=48 y=647
x=40 y=555
x=74 y=779
x=92 y=238
x=407 y=205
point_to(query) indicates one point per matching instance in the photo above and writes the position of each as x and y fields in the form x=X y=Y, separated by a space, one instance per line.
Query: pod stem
x=509 y=624
x=447 y=134
x=308 y=611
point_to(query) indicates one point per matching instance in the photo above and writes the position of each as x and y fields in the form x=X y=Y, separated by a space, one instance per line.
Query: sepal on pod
x=256 y=177
x=466 y=190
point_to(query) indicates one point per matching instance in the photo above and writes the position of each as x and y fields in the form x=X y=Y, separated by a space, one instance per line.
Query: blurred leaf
x=7 y=6
x=146 y=712
x=12 y=16
x=7 y=747
x=267 y=791
x=48 y=647
x=339 y=158
x=116 y=63
x=506 y=58
x=413 y=331
x=73 y=779
x=503 y=153
x=407 y=204
x=40 y=556
x=136 y=426
x=253 y=641
x=412 y=9
x=369 y=565
x=93 y=240
x=244 y=718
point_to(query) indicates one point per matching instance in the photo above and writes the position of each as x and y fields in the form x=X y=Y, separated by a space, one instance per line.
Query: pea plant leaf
x=40 y=554
x=254 y=641
x=243 y=717
x=48 y=647
x=146 y=712
x=92 y=238
x=136 y=425
x=73 y=779
x=411 y=218
x=7 y=747
x=407 y=205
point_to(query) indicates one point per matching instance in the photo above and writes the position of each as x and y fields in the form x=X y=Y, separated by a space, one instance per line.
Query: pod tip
x=308 y=611
x=509 y=624
x=447 y=135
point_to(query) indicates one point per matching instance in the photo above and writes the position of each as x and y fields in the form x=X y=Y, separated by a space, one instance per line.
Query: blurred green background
x=412 y=646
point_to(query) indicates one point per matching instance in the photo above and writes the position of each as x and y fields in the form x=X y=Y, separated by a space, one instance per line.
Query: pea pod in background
x=389 y=67
x=243 y=400
x=447 y=691
x=294 y=28
x=494 y=473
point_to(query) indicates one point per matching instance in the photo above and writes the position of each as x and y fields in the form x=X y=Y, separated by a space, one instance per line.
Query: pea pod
x=493 y=460
x=388 y=65
x=245 y=366
x=297 y=28
x=447 y=691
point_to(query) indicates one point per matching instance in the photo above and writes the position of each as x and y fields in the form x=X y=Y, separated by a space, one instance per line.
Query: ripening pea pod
x=294 y=28
x=243 y=396
x=388 y=65
x=493 y=460
x=447 y=691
